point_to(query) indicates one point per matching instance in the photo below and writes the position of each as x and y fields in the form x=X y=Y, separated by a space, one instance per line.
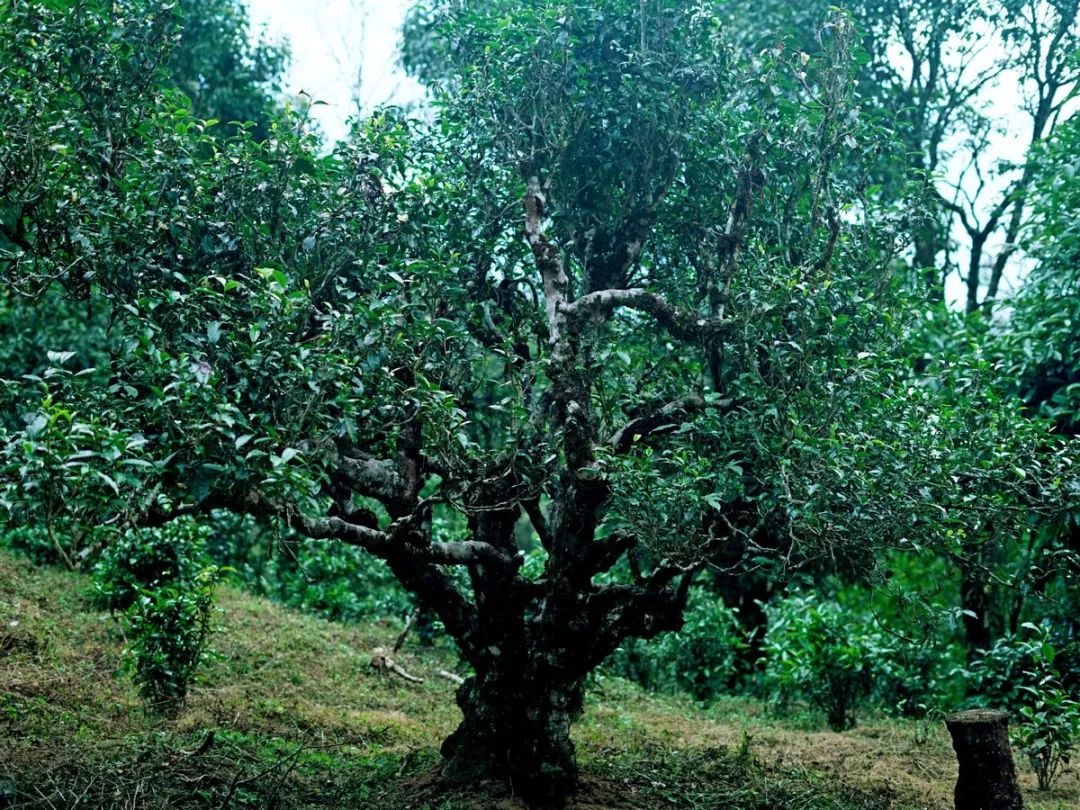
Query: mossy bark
x=516 y=730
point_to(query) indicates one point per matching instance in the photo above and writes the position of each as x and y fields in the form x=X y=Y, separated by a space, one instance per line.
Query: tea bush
x=817 y=651
x=168 y=629
x=700 y=659
x=162 y=581
x=1049 y=728
x=147 y=559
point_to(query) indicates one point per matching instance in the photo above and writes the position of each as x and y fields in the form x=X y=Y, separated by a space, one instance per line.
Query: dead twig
x=199 y=750
x=382 y=661
x=409 y=621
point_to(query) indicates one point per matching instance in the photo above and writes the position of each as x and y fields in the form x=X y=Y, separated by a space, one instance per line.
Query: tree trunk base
x=987 y=779
x=522 y=742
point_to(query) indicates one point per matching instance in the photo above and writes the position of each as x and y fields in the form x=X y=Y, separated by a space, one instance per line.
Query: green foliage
x=35 y=543
x=168 y=629
x=67 y=465
x=901 y=667
x=1049 y=730
x=912 y=633
x=150 y=559
x=816 y=651
x=334 y=581
x=911 y=678
x=1002 y=674
x=226 y=76
x=700 y=659
x=30 y=332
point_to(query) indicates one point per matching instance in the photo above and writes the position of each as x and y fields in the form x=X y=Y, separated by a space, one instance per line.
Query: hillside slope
x=300 y=719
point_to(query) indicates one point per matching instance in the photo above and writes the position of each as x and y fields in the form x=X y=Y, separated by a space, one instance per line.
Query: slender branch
x=409 y=621
x=538 y=521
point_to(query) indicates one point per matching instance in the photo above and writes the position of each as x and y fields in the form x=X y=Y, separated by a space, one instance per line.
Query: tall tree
x=216 y=64
x=628 y=286
x=970 y=90
x=1040 y=351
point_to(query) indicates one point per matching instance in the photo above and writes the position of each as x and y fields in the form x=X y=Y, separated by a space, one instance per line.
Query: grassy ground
x=300 y=719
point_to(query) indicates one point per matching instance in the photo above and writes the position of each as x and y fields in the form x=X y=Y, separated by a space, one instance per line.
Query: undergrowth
x=290 y=714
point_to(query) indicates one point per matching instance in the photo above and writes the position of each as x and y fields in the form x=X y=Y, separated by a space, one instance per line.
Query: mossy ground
x=300 y=719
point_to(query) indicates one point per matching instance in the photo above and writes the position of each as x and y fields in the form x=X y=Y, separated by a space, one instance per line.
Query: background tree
x=216 y=64
x=937 y=74
x=934 y=74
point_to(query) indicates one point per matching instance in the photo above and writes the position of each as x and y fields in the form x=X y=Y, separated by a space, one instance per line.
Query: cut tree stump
x=987 y=778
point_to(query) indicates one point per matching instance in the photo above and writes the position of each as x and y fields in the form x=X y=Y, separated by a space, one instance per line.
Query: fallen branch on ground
x=382 y=661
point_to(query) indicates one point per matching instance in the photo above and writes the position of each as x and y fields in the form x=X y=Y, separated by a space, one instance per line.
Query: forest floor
x=300 y=719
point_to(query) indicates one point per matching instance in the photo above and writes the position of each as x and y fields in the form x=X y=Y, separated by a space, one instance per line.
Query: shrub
x=335 y=581
x=63 y=547
x=162 y=582
x=168 y=628
x=700 y=659
x=817 y=651
x=1049 y=729
x=1004 y=674
x=148 y=559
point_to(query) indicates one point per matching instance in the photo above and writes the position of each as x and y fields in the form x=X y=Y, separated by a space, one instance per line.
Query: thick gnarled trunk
x=535 y=646
x=516 y=727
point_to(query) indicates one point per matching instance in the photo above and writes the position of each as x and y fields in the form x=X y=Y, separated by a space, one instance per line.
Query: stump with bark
x=987 y=779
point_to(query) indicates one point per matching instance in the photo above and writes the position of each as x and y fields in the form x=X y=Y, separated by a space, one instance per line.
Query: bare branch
x=377 y=478
x=382 y=661
x=681 y=324
x=671 y=413
x=409 y=621
x=548 y=260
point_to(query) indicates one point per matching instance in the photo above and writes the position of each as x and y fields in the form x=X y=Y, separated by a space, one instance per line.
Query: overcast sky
x=343 y=52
